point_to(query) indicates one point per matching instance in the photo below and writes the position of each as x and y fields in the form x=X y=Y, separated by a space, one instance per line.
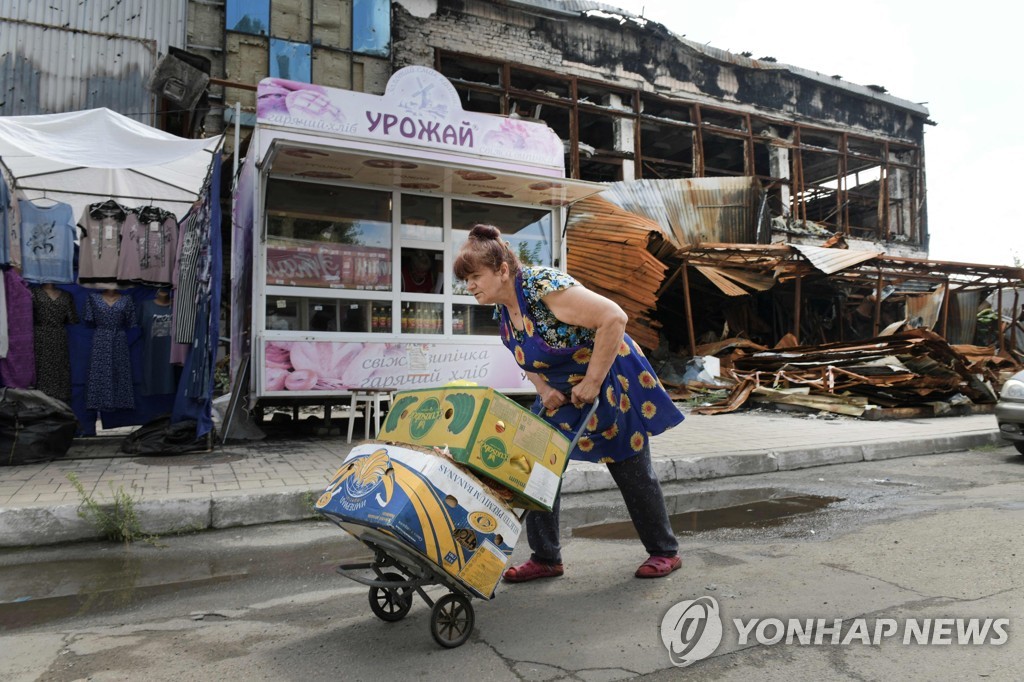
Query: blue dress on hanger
x=109 y=386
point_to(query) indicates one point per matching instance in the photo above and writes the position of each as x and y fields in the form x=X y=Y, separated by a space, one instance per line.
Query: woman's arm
x=581 y=307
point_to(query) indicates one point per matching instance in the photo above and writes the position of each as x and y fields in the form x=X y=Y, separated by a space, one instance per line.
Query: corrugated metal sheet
x=724 y=284
x=963 y=316
x=694 y=210
x=66 y=55
x=834 y=260
x=923 y=310
x=607 y=250
x=753 y=280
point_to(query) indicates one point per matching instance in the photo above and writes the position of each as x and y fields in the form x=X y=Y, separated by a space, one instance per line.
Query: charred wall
x=647 y=58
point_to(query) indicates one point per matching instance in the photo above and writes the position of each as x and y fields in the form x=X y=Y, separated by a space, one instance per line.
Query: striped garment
x=186 y=273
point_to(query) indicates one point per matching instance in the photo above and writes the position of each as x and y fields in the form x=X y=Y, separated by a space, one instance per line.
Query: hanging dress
x=18 y=367
x=632 y=404
x=109 y=386
x=53 y=362
x=157 y=371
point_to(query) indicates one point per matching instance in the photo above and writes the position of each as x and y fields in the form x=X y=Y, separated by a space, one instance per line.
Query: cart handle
x=583 y=425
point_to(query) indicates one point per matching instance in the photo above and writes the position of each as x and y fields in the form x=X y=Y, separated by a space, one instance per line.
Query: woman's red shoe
x=658 y=566
x=532 y=570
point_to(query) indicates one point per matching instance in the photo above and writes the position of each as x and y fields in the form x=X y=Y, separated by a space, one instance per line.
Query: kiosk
x=349 y=208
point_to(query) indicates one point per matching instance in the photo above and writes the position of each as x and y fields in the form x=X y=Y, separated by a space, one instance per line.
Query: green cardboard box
x=487 y=432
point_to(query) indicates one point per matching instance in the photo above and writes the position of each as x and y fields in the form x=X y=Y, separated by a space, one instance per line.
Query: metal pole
x=945 y=309
x=238 y=118
x=796 y=309
x=1013 y=321
x=689 y=310
x=878 y=304
x=999 y=319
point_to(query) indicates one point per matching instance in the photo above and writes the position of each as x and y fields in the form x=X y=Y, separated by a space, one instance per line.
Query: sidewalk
x=278 y=480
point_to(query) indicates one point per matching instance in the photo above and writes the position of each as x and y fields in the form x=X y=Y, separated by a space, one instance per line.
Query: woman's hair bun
x=481 y=231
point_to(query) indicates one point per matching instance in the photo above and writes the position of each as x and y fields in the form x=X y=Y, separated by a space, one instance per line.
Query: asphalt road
x=900 y=543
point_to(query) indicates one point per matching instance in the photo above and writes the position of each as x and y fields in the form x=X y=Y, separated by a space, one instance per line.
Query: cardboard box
x=491 y=434
x=428 y=503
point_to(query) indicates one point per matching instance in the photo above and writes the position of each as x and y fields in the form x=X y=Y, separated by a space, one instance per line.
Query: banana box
x=489 y=433
x=430 y=505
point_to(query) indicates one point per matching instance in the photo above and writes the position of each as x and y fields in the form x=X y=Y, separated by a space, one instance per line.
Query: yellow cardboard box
x=430 y=506
x=489 y=433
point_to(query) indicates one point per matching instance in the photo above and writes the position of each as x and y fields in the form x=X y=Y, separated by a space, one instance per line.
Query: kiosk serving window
x=328 y=236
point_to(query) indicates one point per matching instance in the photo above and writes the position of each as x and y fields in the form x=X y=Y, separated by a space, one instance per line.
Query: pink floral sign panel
x=291 y=366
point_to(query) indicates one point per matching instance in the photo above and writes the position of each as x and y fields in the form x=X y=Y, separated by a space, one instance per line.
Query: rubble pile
x=910 y=369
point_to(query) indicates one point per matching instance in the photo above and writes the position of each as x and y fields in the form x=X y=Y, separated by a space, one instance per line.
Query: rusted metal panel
x=749 y=279
x=607 y=251
x=724 y=284
x=693 y=210
x=923 y=310
x=963 y=315
x=66 y=55
x=834 y=260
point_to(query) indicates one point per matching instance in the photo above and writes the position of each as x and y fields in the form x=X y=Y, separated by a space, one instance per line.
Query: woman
x=572 y=344
x=418 y=274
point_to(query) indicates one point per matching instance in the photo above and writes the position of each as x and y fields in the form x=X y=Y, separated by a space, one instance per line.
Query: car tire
x=1020 y=446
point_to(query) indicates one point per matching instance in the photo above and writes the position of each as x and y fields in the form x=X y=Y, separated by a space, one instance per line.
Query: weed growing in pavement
x=309 y=499
x=117 y=520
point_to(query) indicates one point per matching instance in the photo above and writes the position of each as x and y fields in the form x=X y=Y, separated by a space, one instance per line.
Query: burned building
x=632 y=101
x=745 y=197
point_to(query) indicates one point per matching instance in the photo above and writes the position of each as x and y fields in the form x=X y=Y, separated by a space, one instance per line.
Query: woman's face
x=487 y=285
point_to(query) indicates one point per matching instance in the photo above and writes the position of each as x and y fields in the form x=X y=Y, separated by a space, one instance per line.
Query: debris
x=913 y=368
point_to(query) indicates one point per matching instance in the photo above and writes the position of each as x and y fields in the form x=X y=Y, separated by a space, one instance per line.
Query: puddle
x=42 y=592
x=755 y=508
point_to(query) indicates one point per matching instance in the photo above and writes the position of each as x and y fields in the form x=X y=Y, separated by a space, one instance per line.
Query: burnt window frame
x=703 y=120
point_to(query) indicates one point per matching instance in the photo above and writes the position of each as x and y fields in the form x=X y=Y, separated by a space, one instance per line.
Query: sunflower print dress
x=633 y=405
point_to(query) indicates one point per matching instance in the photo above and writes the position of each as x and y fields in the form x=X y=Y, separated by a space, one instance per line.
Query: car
x=1010 y=411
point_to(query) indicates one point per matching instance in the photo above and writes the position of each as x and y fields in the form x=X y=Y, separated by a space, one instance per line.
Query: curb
x=35 y=526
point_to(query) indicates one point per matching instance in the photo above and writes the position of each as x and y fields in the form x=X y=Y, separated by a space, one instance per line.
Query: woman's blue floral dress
x=633 y=405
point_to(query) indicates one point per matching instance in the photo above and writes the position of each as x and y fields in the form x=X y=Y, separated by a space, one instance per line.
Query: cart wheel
x=391 y=604
x=451 y=620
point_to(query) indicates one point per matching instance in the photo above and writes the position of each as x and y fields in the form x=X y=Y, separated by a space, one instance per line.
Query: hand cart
x=391 y=592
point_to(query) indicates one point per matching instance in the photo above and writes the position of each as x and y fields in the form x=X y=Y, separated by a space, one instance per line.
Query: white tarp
x=84 y=157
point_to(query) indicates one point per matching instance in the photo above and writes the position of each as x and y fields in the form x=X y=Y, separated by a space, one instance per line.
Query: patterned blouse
x=538 y=282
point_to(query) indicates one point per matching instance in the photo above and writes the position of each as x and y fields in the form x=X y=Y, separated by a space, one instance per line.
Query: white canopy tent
x=84 y=157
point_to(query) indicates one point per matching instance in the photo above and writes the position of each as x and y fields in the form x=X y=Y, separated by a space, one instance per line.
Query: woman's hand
x=585 y=392
x=550 y=397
